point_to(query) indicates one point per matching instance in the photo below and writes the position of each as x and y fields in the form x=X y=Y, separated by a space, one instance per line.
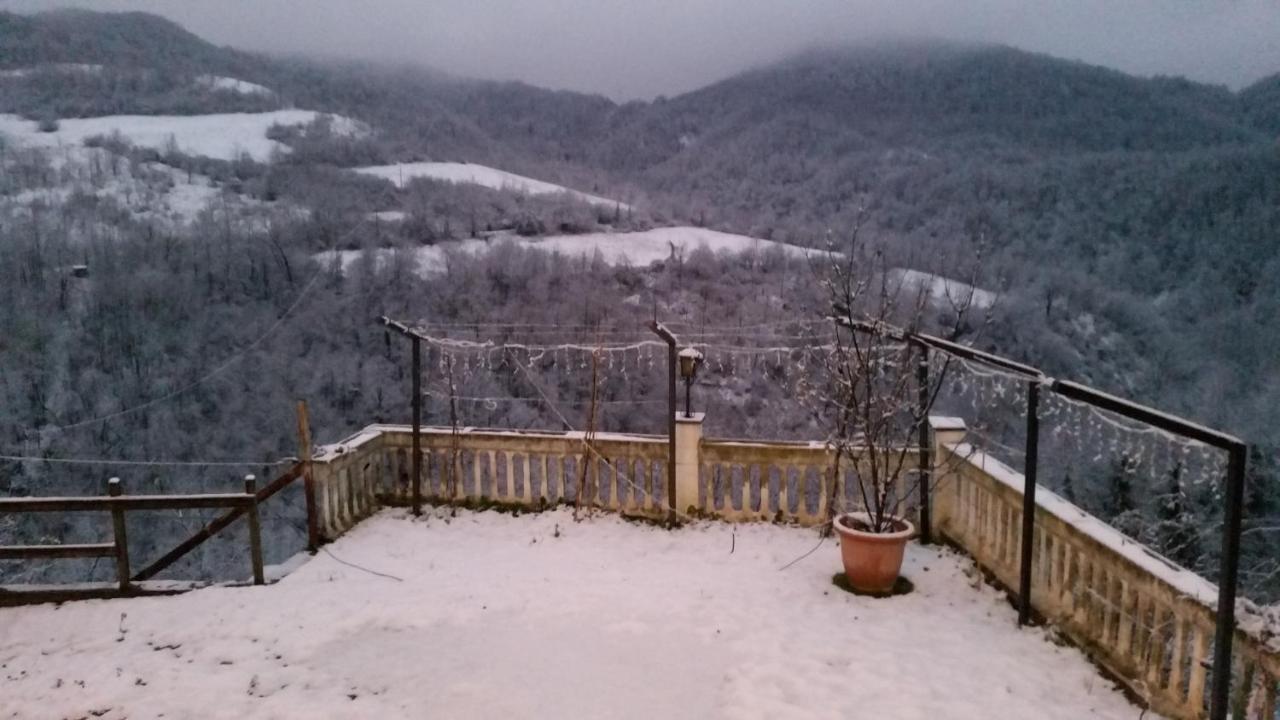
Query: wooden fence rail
x=118 y=505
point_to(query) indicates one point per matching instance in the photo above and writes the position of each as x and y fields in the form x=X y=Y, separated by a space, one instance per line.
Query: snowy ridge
x=222 y=136
x=944 y=290
x=635 y=248
x=219 y=82
x=400 y=174
x=55 y=67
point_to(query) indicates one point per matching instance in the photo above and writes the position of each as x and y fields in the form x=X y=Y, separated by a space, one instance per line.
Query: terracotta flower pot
x=872 y=561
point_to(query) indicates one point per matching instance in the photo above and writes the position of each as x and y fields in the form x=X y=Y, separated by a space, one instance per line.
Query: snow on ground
x=943 y=289
x=646 y=247
x=147 y=190
x=224 y=136
x=402 y=173
x=244 y=87
x=635 y=248
x=539 y=616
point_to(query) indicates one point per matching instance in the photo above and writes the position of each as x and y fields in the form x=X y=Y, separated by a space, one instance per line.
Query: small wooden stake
x=255 y=530
x=308 y=481
x=114 y=489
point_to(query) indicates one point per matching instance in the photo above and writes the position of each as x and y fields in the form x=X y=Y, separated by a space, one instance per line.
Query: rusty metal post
x=924 y=446
x=417 y=424
x=1237 y=457
x=1029 y=501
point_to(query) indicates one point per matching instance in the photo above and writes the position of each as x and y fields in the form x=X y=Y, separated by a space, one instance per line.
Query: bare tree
x=869 y=386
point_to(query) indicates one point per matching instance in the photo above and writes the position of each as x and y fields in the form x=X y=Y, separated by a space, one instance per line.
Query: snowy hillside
x=221 y=136
x=943 y=290
x=402 y=173
x=219 y=82
x=643 y=248
x=634 y=248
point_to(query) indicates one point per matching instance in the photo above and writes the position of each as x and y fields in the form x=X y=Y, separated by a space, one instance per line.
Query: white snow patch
x=244 y=87
x=402 y=173
x=147 y=190
x=389 y=215
x=55 y=67
x=539 y=616
x=636 y=248
x=223 y=136
x=943 y=289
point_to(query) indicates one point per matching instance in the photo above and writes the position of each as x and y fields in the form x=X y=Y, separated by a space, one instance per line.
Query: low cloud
x=641 y=49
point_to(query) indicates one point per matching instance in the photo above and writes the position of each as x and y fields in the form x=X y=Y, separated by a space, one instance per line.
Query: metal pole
x=1029 y=501
x=662 y=332
x=1236 y=460
x=922 y=451
x=417 y=425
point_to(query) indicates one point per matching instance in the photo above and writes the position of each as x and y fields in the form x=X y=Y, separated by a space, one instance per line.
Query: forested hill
x=1153 y=198
x=936 y=97
x=1128 y=225
x=130 y=40
x=1262 y=105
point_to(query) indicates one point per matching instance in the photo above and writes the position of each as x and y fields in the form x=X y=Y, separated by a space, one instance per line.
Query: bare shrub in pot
x=869 y=395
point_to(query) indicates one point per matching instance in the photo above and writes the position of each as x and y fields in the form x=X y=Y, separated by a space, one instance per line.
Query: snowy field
x=402 y=173
x=646 y=247
x=223 y=136
x=220 y=82
x=492 y=616
x=945 y=291
x=634 y=248
x=151 y=191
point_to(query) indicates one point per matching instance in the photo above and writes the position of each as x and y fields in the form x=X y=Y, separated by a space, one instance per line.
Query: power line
x=148 y=463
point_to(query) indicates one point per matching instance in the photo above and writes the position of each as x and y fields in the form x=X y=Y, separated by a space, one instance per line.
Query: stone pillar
x=947 y=431
x=688 y=460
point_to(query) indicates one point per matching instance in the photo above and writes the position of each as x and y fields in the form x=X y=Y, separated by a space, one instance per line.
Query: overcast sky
x=643 y=48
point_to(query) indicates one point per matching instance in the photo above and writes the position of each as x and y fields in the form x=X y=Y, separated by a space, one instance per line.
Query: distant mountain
x=128 y=40
x=935 y=97
x=1261 y=102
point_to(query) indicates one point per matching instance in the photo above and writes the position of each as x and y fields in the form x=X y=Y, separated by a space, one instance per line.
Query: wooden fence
x=118 y=505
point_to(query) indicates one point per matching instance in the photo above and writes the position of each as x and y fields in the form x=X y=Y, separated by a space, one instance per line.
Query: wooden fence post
x=114 y=489
x=308 y=480
x=255 y=530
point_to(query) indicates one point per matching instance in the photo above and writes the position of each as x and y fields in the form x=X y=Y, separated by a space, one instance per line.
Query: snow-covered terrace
x=488 y=615
x=544 y=615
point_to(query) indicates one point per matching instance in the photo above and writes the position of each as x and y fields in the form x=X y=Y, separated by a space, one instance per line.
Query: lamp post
x=690 y=361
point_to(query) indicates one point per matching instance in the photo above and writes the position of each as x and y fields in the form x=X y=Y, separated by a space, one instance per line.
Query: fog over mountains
x=1127 y=225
